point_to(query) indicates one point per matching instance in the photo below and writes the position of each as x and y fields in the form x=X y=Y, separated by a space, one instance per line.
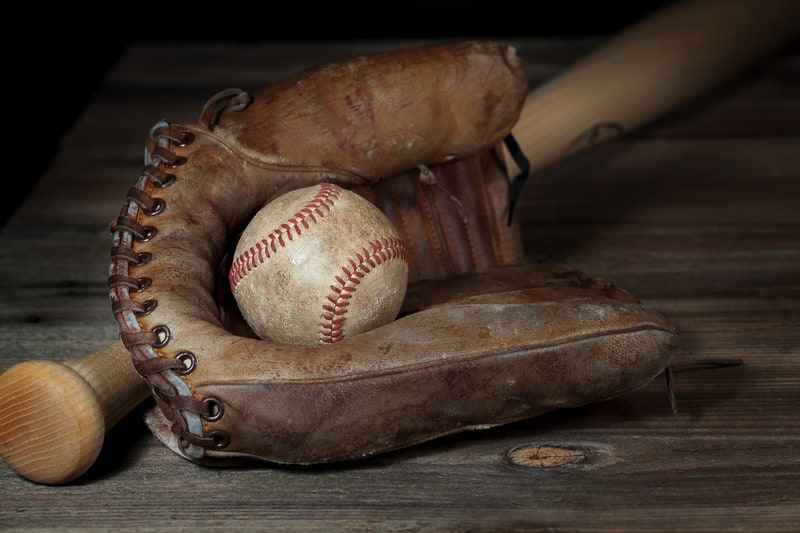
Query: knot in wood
x=546 y=456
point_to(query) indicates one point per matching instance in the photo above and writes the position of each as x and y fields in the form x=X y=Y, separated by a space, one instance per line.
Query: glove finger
x=381 y=114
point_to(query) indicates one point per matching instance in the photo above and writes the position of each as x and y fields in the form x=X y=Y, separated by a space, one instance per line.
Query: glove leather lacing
x=519 y=180
x=162 y=373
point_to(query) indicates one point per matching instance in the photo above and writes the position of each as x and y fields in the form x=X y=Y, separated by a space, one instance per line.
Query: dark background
x=55 y=54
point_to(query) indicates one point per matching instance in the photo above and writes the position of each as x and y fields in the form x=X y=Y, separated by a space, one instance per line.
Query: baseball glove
x=486 y=335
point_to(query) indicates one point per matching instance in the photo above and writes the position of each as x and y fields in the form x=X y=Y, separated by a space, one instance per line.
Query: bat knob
x=52 y=425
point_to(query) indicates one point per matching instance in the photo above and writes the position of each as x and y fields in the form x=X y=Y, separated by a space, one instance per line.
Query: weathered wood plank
x=696 y=214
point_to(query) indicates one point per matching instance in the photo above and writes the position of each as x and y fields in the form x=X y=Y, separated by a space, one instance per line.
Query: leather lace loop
x=137 y=308
x=189 y=362
x=166 y=157
x=221 y=439
x=156 y=365
x=138 y=338
x=214 y=409
x=215 y=439
x=189 y=403
x=163 y=335
x=233 y=99
x=142 y=284
x=151 y=206
x=118 y=280
x=147 y=307
x=158 y=177
x=126 y=252
x=142 y=258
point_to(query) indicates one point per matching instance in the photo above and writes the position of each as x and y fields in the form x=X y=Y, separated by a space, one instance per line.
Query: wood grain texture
x=696 y=213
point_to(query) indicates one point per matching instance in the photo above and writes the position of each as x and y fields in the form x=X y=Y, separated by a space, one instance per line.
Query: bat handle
x=54 y=416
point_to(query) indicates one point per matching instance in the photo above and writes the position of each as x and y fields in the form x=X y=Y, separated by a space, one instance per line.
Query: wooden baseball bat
x=53 y=417
x=653 y=67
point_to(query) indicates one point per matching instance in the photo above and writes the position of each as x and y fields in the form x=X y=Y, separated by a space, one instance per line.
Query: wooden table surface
x=698 y=214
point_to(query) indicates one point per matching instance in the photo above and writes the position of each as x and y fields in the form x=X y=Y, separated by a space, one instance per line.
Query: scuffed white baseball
x=317 y=265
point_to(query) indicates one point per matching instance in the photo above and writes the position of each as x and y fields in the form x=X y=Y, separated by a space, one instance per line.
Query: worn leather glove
x=486 y=335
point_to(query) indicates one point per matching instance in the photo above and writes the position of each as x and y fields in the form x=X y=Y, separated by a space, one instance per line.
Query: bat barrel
x=653 y=67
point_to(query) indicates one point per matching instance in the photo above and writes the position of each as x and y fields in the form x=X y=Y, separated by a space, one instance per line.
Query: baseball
x=317 y=265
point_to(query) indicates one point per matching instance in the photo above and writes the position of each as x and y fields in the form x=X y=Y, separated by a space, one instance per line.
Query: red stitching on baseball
x=334 y=313
x=262 y=250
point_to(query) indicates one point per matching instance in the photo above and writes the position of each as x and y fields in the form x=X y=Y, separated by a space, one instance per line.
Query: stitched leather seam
x=335 y=313
x=257 y=254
